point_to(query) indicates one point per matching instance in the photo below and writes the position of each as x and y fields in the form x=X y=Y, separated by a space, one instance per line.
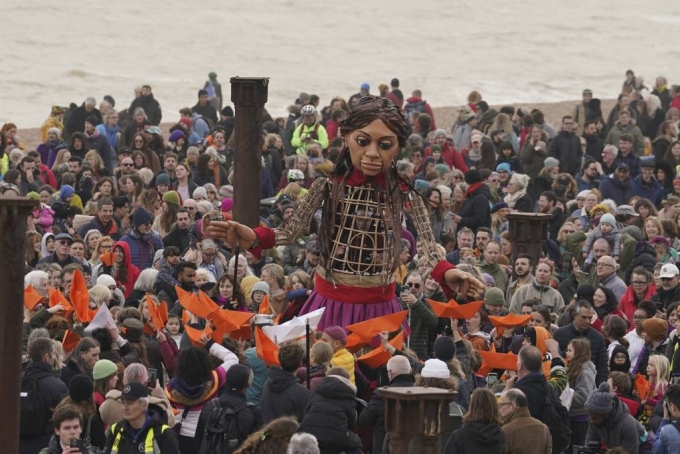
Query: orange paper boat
x=370 y=328
x=31 y=297
x=455 y=310
x=492 y=360
x=70 y=340
x=192 y=303
x=379 y=356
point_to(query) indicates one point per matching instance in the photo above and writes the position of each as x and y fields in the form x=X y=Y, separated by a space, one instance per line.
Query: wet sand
x=444 y=116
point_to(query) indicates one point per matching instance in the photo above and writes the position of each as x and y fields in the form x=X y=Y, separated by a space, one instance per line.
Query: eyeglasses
x=64 y=242
x=604 y=264
x=412 y=285
x=639 y=317
x=108 y=246
x=457 y=177
x=496 y=181
x=125 y=164
x=639 y=283
x=500 y=404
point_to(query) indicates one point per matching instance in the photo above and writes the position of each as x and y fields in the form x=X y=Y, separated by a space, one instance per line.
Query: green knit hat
x=104 y=368
x=33 y=195
x=171 y=197
x=494 y=297
x=442 y=169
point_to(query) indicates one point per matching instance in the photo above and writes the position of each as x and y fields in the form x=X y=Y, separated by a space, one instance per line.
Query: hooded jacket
x=548 y=295
x=476 y=438
x=566 y=147
x=132 y=271
x=427 y=107
x=476 y=211
x=526 y=435
x=620 y=429
x=627 y=304
x=582 y=389
x=248 y=419
x=619 y=191
x=48 y=152
x=331 y=415
x=283 y=395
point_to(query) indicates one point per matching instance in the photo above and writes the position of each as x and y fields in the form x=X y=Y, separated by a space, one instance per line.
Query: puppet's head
x=374 y=132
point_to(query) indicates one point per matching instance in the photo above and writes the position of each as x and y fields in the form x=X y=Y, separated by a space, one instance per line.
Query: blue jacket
x=632 y=161
x=260 y=376
x=651 y=190
x=620 y=192
x=583 y=186
x=667 y=439
x=142 y=248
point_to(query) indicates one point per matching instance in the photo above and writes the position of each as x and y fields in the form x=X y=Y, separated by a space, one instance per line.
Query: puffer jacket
x=620 y=429
x=283 y=395
x=476 y=211
x=582 y=389
x=477 y=438
x=142 y=248
x=331 y=416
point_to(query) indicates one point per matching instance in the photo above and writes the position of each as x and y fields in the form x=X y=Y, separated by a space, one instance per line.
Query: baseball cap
x=622 y=165
x=669 y=271
x=134 y=391
x=476 y=138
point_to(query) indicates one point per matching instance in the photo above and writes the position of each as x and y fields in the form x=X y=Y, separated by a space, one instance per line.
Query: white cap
x=435 y=368
x=669 y=271
x=106 y=280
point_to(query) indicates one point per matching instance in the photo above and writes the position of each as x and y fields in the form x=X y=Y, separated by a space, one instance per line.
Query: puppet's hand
x=229 y=232
x=464 y=283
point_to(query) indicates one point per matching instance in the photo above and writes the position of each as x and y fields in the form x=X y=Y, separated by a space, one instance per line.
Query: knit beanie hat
x=421 y=185
x=444 y=348
x=435 y=368
x=106 y=280
x=171 y=197
x=33 y=195
x=200 y=192
x=656 y=328
x=488 y=279
x=176 y=135
x=473 y=176
x=227 y=205
x=494 y=297
x=608 y=219
x=600 y=401
x=503 y=166
x=551 y=163
x=336 y=333
x=439 y=132
x=260 y=286
x=599 y=207
x=104 y=368
x=585 y=292
x=434 y=148
x=442 y=169
x=141 y=216
x=163 y=178
x=66 y=191
x=80 y=388
x=92 y=120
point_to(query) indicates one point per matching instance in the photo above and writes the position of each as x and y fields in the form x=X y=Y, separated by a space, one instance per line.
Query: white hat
x=583 y=194
x=435 y=368
x=107 y=281
x=669 y=271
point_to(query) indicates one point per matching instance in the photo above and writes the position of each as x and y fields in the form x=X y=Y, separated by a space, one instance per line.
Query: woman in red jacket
x=641 y=288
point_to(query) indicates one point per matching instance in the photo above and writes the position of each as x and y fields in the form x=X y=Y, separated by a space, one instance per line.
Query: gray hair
x=36 y=333
x=90 y=101
x=303 y=443
x=517 y=397
x=612 y=148
x=34 y=277
x=139 y=110
x=135 y=372
x=146 y=280
x=110 y=113
x=206 y=274
x=399 y=365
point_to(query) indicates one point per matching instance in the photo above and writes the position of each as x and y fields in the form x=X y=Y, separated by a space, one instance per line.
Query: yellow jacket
x=51 y=122
x=343 y=358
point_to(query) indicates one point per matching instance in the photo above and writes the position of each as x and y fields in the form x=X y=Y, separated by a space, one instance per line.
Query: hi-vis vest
x=150 y=444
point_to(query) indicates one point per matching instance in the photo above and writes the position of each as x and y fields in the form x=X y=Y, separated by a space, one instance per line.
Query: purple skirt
x=342 y=314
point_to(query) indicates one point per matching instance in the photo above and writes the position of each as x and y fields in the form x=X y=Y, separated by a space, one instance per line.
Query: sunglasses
x=127 y=165
x=148 y=224
x=412 y=285
x=64 y=242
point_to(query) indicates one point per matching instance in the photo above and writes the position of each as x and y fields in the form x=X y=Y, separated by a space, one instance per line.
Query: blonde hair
x=100 y=294
x=99 y=163
x=323 y=354
x=293 y=190
x=663 y=373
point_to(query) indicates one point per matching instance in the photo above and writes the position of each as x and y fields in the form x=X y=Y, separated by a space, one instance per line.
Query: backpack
x=556 y=417
x=34 y=412
x=220 y=435
x=413 y=107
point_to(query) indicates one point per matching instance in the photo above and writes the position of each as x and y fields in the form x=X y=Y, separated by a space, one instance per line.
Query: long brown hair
x=369 y=109
x=272 y=439
x=581 y=356
x=30 y=250
x=483 y=408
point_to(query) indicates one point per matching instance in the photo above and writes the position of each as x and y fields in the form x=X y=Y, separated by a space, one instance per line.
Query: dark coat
x=167 y=441
x=525 y=204
x=53 y=391
x=103 y=148
x=476 y=211
x=651 y=189
x=374 y=414
x=535 y=387
x=151 y=107
x=76 y=121
x=598 y=347
x=95 y=224
x=566 y=147
x=178 y=238
x=644 y=256
x=617 y=190
x=666 y=297
x=248 y=419
x=476 y=438
x=594 y=146
x=283 y=396
x=331 y=416
x=69 y=371
x=208 y=112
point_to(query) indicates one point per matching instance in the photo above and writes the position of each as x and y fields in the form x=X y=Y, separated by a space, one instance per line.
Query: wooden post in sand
x=249 y=95
x=528 y=233
x=13 y=214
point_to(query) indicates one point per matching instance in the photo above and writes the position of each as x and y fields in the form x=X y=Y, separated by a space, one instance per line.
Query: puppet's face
x=372 y=148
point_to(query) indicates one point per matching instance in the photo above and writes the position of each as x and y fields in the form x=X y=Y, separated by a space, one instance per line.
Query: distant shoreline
x=445 y=117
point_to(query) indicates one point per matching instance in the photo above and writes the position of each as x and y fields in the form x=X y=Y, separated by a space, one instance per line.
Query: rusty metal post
x=528 y=233
x=13 y=214
x=249 y=95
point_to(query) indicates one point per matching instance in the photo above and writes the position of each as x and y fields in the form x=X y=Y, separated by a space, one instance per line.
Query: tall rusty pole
x=13 y=214
x=249 y=95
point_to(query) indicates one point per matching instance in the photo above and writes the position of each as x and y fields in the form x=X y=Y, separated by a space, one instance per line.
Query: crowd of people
x=589 y=327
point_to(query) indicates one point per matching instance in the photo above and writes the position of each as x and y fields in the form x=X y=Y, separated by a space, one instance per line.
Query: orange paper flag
x=230 y=320
x=355 y=343
x=370 y=328
x=108 y=259
x=70 y=340
x=195 y=335
x=56 y=297
x=264 y=306
x=185 y=318
x=379 y=356
x=155 y=312
x=192 y=303
x=642 y=386
x=80 y=298
x=31 y=297
x=266 y=349
x=455 y=310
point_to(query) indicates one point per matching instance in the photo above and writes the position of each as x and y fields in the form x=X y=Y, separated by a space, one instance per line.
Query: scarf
x=474 y=155
x=94 y=134
x=473 y=187
x=357 y=178
x=511 y=199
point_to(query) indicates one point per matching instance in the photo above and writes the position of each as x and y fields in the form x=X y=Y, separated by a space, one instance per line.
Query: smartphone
x=405 y=291
x=77 y=443
x=675 y=379
x=491 y=379
x=455 y=410
x=153 y=376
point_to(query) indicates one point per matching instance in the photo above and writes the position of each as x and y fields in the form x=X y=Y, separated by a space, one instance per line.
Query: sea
x=55 y=53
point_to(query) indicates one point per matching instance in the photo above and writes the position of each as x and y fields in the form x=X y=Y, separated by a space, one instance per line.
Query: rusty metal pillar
x=528 y=233
x=13 y=214
x=249 y=95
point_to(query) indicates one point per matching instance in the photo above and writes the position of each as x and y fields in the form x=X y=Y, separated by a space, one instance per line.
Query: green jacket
x=421 y=319
x=499 y=275
x=531 y=159
x=638 y=140
x=574 y=241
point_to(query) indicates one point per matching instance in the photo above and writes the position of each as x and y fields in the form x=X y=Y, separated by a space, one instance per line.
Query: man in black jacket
x=566 y=147
x=151 y=107
x=204 y=108
x=580 y=327
x=42 y=354
x=283 y=395
x=669 y=291
x=476 y=211
x=179 y=232
x=530 y=379
x=76 y=120
x=248 y=418
x=399 y=373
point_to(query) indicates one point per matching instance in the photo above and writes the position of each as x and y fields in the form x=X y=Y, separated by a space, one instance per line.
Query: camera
x=593 y=447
